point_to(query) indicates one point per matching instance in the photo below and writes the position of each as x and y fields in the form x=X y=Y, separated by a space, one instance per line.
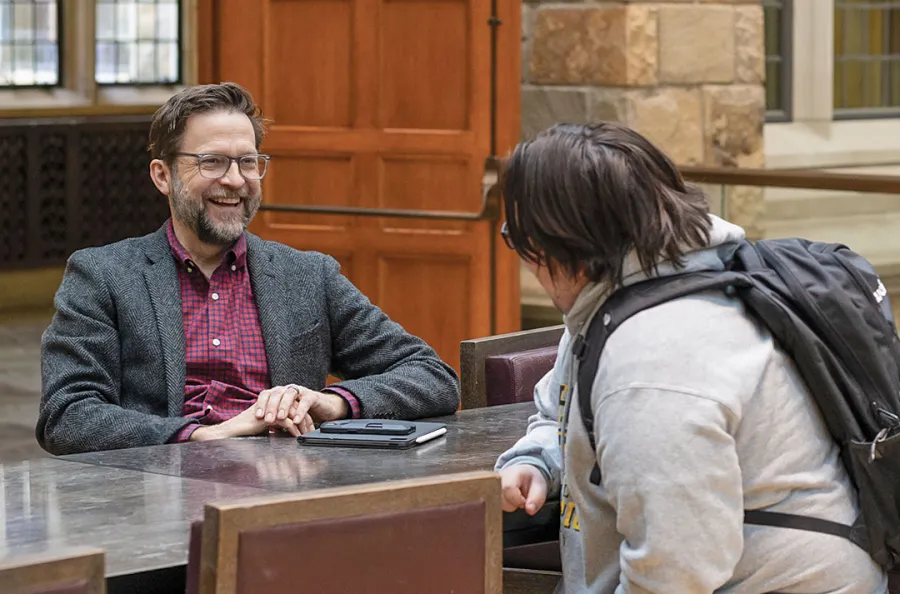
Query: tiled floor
x=20 y=388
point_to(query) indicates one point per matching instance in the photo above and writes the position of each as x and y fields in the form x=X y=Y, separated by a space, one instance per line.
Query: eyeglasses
x=212 y=166
x=504 y=232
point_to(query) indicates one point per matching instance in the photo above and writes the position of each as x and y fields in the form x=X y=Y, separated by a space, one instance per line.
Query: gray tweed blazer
x=113 y=361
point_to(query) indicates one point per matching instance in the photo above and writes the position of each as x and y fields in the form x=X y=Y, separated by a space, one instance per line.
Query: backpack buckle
x=874 y=454
x=578 y=347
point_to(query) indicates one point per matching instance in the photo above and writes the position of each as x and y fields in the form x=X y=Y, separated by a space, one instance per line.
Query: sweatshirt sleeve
x=669 y=465
x=540 y=444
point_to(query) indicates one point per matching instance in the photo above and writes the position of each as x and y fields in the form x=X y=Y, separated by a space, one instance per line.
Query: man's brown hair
x=581 y=197
x=169 y=121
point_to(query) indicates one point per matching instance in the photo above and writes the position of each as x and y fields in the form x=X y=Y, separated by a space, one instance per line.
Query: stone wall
x=689 y=74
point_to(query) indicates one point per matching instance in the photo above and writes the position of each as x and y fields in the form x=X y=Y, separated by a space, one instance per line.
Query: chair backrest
x=511 y=377
x=517 y=361
x=63 y=571
x=401 y=536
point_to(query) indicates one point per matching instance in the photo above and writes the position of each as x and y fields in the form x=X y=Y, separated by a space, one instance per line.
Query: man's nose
x=232 y=177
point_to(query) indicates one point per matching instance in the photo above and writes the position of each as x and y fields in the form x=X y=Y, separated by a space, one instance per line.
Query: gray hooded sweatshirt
x=698 y=416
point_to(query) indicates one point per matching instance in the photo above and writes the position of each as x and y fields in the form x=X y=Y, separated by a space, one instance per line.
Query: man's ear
x=161 y=176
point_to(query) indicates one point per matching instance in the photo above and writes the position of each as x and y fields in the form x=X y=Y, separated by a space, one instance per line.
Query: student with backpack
x=678 y=427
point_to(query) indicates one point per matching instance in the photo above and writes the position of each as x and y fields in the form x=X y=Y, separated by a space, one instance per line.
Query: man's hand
x=298 y=406
x=251 y=422
x=240 y=425
x=290 y=407
x=523 y=486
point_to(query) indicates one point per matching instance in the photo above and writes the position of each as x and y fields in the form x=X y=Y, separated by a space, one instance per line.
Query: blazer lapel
x=165 y=296
x=271 y=298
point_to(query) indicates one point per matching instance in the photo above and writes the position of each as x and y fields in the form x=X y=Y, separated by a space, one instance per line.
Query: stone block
x=574 y=46
x=610 y=105
x=735 y=115
x=543 y=107
x=527 y=21
x=527 y=30
x=672 y=119
x=552 y=1
x=750 y=56
x=746 y=206
x=642 y=35
x=696 y=44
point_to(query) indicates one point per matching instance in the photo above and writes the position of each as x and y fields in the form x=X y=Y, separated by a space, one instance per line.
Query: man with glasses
x=202 y=330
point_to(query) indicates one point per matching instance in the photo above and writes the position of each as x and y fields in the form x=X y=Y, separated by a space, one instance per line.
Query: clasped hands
x=292 y=408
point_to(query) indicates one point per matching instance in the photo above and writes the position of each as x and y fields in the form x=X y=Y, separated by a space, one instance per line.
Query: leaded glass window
x=138 y=42
x=866 y=58
x=29 y=43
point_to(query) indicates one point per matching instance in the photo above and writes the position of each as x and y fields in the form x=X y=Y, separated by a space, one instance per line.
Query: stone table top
x=138 y=504
x=473 y=441
x=141 y=520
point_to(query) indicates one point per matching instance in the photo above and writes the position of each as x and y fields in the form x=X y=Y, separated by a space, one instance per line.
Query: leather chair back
x=437 y=534
x=511 y=377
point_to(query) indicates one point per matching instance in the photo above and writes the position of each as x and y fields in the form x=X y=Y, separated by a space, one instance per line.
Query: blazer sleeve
x=80 y=372
x=392 y=373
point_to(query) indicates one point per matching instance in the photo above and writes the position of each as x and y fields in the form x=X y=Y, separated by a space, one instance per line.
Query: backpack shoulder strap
x=620 y=306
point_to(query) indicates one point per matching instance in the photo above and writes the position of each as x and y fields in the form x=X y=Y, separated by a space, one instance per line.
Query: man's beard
x=194 y=213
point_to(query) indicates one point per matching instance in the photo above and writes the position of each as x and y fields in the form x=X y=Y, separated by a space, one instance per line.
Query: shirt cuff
x=184 y=434
x=348 y=396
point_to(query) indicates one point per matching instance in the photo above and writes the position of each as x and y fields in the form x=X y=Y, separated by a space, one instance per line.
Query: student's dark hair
x=170 y=120
x=581 y=197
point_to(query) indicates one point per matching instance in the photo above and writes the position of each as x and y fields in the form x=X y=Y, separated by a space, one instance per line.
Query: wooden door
x=383 y=104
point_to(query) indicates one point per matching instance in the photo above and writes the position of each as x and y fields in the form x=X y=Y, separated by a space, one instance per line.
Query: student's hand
x=298 y=406
x=523 y=486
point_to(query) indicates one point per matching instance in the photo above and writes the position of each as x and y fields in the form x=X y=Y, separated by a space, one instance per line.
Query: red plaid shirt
x=225 y=357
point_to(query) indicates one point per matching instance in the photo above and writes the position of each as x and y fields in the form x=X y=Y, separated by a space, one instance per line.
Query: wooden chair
x=503 y=369
x=441 y=534
x=63 y=571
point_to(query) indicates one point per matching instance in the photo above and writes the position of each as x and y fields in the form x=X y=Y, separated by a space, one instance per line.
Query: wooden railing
x=793 y=178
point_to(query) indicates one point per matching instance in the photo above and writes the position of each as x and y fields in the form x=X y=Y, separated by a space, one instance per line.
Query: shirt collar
x=236 y=255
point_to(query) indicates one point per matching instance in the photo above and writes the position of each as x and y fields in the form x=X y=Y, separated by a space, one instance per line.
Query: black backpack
x=828 y=310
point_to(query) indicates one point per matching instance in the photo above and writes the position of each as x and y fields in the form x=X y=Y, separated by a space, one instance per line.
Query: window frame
x=815 y=138
x=78 y=92
x=787 y=65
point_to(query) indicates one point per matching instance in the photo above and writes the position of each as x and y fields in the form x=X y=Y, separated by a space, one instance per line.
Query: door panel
x=313 y=37
x=383 y=104
x=425 y=66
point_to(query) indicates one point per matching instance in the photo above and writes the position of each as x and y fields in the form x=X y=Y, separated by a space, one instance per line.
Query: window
x=29 y=43
x=138 y=42
x=82 y=57
x=823 y=133
x=778 y=37
x=866 y=58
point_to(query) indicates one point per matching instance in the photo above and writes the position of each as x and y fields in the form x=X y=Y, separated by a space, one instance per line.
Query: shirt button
x=216 y=342
x=190 y=269
x=233 y=268
x=215 y=296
